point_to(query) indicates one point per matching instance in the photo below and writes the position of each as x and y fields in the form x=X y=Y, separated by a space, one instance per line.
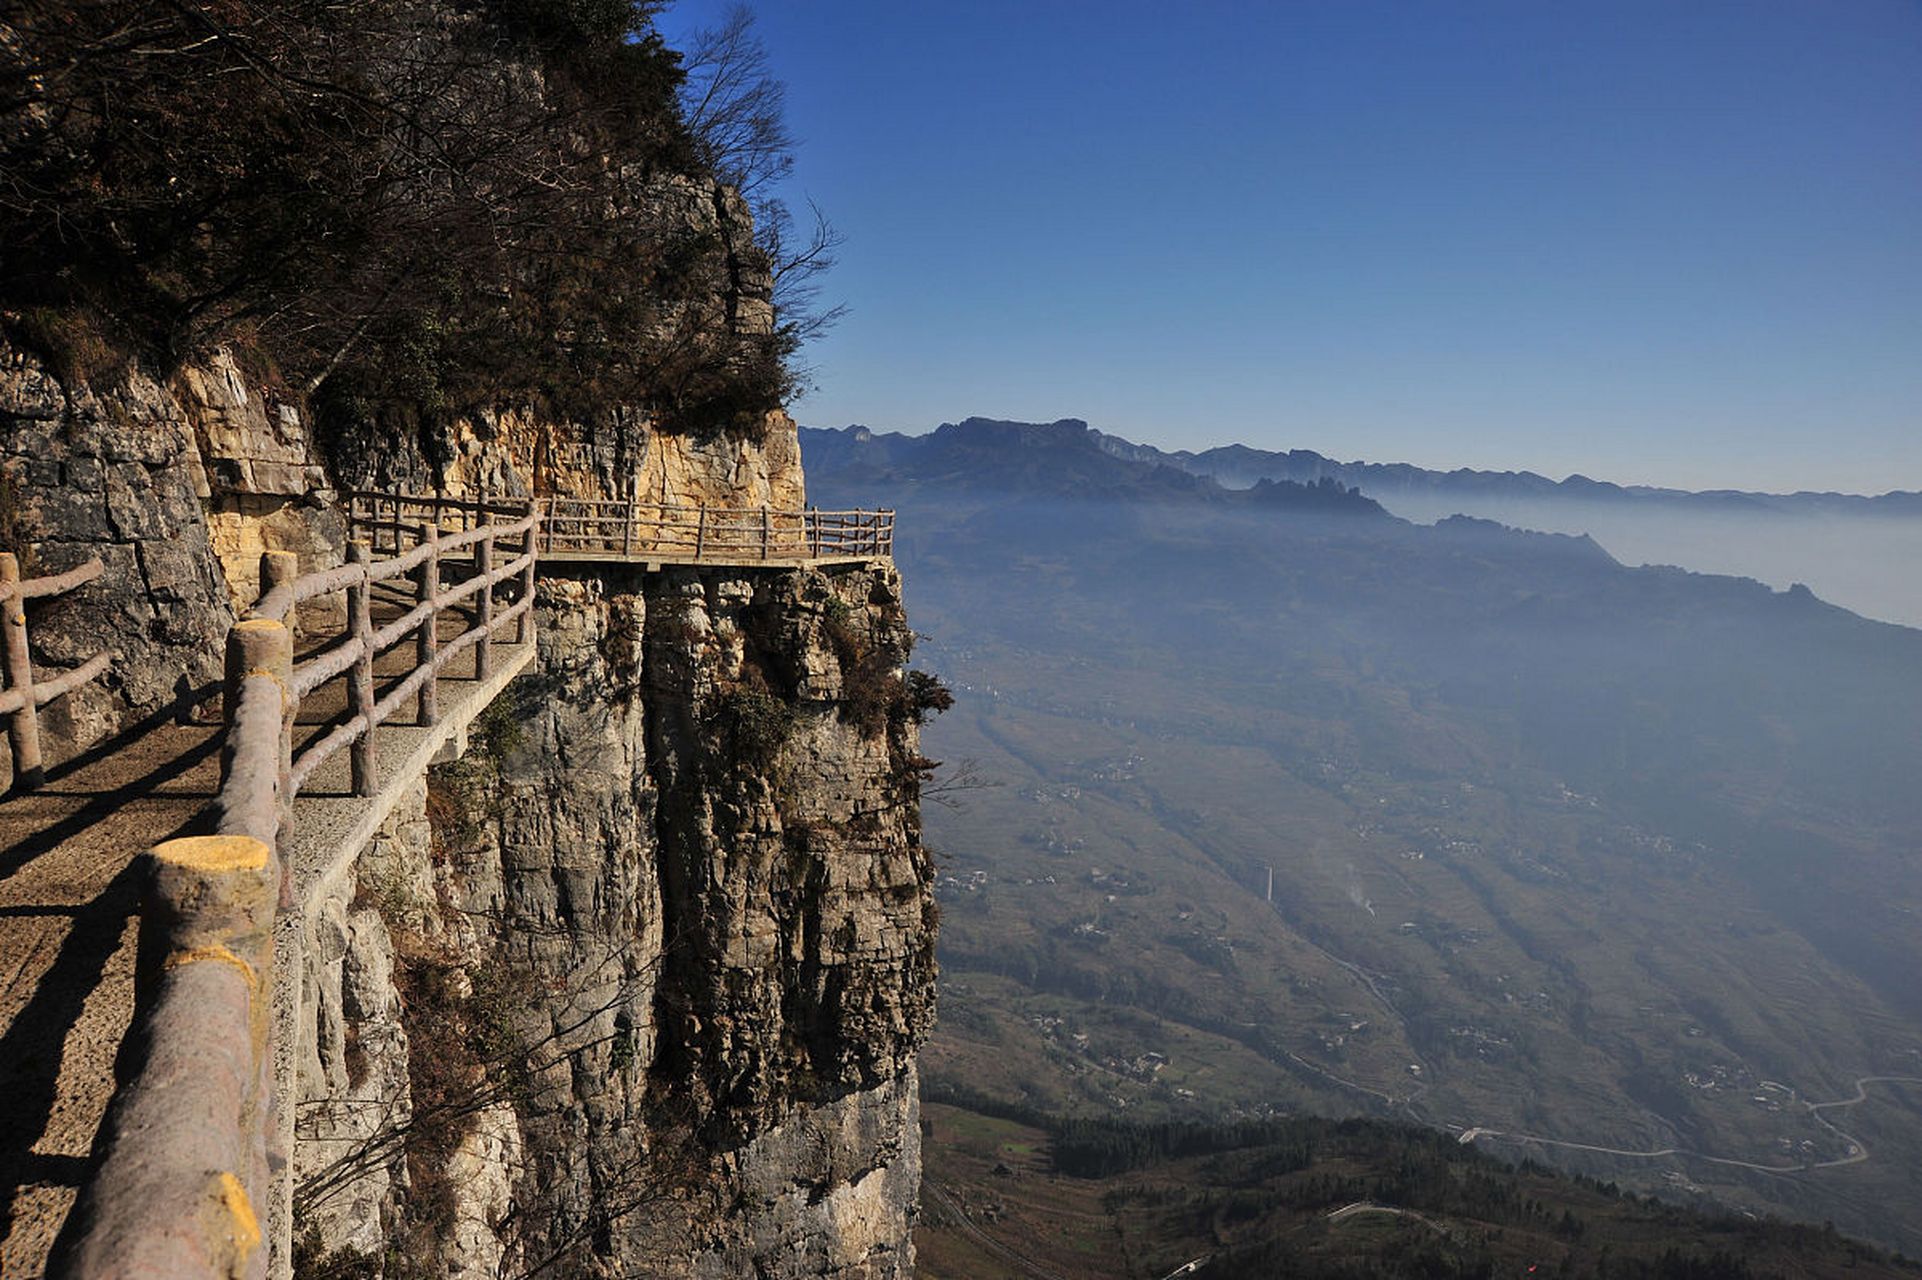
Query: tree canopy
x=433 y=203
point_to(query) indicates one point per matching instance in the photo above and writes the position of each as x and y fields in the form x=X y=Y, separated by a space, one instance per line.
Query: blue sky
x=1673 y=242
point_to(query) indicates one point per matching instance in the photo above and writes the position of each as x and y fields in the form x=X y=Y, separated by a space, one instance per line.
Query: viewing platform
x=588 y=530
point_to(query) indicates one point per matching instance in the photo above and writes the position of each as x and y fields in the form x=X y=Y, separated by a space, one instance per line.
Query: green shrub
x=924 y=696
x=752 y=722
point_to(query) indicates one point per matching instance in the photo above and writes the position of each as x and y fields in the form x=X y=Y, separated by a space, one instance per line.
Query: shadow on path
x=97 y=820
x=104 y=801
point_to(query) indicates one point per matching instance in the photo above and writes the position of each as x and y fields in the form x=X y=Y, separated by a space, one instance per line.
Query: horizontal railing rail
x=25 y=694
x=193 y=1141
x=694 y=532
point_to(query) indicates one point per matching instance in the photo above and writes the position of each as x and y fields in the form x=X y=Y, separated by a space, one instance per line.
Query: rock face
x=113 y=472
x=178 y=489
x=682 y=886
x=515 y=451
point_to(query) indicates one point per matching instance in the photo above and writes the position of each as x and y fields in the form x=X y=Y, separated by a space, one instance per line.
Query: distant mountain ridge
x=1238 y=466
x=1063 y=459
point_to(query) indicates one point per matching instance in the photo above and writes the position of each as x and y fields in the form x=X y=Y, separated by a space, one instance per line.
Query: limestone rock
x=88 y=471
x=717 y=935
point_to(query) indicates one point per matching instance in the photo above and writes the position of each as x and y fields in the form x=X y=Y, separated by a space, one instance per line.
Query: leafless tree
x=735 y=108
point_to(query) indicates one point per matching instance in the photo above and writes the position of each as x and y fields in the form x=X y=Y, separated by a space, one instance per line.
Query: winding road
x=1369 y=1206
x=1858 y=1150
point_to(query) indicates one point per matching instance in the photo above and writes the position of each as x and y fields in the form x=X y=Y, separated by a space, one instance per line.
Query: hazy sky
x=1658 y=242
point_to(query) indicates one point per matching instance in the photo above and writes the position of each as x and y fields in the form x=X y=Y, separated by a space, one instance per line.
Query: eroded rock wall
x=177 y=487
x=518 y=451
x=675 y=907
x=114 y=471
x=798 y=976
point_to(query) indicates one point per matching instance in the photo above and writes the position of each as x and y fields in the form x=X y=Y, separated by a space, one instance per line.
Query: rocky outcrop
x=676 y=908
x=264 y=490
x=518 y=451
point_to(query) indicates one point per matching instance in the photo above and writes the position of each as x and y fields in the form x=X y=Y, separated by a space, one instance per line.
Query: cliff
x=636 y=984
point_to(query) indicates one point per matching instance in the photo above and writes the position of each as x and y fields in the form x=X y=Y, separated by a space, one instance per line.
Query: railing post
x=700 y=531
x=23 y=726
x=360 y=681
x=259 y=646
x=627 y=529
x=186 y=1152
x=427 y=639
x=524 y=629
x=764 y=531
x=277 y=568
x=813 y=519
x=484 y=568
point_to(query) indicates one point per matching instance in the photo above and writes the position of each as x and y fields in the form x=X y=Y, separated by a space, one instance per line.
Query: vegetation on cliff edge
x=395 y=205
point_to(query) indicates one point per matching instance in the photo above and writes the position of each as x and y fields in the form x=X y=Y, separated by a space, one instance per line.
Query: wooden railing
x=198 y=1135
x=356 y=651
x=24 y=696
x=188 y=1138
x=664 y=531
x=392 y=521
x=680 y=532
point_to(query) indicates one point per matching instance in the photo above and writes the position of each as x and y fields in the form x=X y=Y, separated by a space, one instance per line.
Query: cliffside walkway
x=154 y=889
x=147 y=999
x=652 y=534
x=70 y=890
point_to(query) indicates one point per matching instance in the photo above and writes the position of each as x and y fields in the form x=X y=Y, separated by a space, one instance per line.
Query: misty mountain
x=1239 y=466
x=1858 y=551
x=1597 y=861
x=1058 y=459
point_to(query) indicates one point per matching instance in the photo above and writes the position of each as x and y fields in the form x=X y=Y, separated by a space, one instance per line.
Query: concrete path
x=69 y=901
